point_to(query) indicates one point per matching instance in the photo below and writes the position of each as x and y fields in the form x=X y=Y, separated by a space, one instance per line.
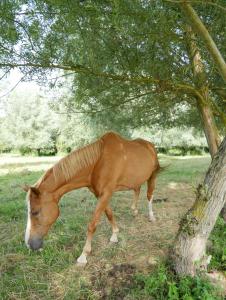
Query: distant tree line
x=31 y=124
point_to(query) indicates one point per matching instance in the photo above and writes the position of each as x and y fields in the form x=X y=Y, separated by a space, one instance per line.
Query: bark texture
x=203 y=100
x=209 y=126
x=189 y=252
x=199 y=27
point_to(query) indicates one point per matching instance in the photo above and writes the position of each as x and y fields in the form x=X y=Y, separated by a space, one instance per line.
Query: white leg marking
x=135 y=212
x=82 y=259
x=114 y=238
x=28 y=228
x=151 y=214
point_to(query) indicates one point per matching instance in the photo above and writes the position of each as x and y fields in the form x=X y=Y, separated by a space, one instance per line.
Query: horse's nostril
x=35 y=243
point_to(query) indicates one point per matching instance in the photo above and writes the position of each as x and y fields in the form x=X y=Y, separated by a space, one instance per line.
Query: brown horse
x=108 y=165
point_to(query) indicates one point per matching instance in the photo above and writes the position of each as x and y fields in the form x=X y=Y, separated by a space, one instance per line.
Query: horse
x=110 y=164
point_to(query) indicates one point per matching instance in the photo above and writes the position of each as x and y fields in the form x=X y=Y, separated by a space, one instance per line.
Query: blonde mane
x=71 y=164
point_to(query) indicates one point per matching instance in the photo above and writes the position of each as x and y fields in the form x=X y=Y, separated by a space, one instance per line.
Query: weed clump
x=217 y=247
x=163 y=284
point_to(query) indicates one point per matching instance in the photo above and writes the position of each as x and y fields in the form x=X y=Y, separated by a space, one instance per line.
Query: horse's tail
x=161 y=169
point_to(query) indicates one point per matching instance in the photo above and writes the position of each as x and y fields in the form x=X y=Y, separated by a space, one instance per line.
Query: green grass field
x=52 y=273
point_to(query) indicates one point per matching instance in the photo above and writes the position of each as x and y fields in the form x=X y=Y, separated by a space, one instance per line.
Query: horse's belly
x=131 y=182
x=135 y=173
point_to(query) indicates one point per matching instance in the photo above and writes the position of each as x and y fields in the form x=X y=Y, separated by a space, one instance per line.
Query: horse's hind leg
x=101 y=206
x=151 y=186
x=115 y=229
x=135 y=201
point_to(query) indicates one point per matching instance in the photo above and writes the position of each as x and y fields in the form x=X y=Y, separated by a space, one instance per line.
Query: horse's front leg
x=101 y=206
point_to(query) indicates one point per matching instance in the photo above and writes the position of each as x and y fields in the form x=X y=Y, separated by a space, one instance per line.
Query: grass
x=53 y=274
x=163 y=284
x=217 y=246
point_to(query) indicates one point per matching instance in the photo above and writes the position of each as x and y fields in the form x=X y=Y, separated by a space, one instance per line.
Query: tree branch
x=13 y=88
x=4 y=74
x=199 y=2
x=217 y=111
x=108 y=107
x=200 y=28
x=163 y=84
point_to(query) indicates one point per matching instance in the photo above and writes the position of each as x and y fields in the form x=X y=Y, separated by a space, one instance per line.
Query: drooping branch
x=13 y=88
x=109 y=107
x=164 y=84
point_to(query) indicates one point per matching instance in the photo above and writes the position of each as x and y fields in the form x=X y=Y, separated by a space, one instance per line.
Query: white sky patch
x=12 y=83
x=12 y=79
x=15 y=82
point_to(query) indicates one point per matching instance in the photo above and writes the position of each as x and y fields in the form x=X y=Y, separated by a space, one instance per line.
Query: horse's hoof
x=114 y=238
x=152 y=219
x=81 y=265
x=135 y=213
x=82 y=261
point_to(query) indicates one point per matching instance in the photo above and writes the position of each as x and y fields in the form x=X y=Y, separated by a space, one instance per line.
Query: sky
x=12 y=84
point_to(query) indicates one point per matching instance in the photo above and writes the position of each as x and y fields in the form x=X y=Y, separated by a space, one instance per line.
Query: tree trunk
x=190 y=245
x=205 y=111
x=200 y=80
x=209 y=126
x=199 y=27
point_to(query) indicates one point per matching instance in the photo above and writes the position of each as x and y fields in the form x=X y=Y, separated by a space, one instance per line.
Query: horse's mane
x=67 y=167
x=74 y=162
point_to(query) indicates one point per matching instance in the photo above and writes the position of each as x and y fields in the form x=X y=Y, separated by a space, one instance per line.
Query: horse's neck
x=59 y=188
x=47 y=182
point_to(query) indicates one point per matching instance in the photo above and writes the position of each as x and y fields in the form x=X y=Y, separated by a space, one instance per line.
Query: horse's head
x=42 y=213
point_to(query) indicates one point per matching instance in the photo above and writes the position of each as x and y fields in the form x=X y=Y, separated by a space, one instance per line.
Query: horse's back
x=137 y=147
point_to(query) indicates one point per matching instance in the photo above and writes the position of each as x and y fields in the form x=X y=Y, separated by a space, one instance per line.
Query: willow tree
x=189 y=251
x=126 y=58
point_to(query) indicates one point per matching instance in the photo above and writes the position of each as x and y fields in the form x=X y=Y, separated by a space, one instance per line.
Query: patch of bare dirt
x=143 y=243
x=114 y=283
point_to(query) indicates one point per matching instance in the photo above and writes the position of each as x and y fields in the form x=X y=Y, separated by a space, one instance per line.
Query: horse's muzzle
x=35 y=243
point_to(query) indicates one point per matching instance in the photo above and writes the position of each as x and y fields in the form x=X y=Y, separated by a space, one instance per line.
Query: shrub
x=25 y=150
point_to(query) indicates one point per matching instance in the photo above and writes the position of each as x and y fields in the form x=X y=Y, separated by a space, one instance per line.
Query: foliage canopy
x=127 y=58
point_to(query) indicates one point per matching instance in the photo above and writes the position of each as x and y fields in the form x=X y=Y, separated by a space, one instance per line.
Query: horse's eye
x=34 y=213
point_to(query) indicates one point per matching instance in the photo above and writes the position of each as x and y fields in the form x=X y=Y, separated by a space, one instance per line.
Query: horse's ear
x=35 y=190
x=25 y=187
